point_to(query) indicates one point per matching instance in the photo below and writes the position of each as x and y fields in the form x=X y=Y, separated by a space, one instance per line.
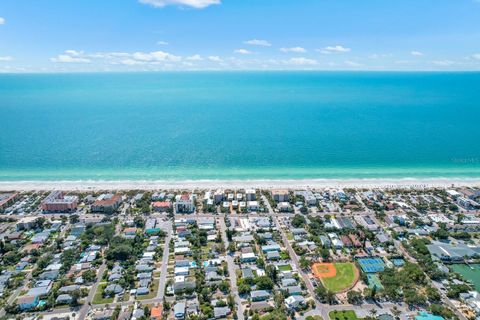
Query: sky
x=155 y=35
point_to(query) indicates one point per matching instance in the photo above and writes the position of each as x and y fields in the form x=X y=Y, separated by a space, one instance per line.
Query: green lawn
x=343 y=315
x=345 y=277
x=153 y=291
x=98 y=299
x=285 y=268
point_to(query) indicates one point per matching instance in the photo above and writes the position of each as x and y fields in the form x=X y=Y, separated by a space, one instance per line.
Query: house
x=284 y=206
x=325 y=241
x=185 y=204
x=57 y=202
x=206 y=223
x=68 y=289
x=48 y=275
x=179 y=310
x=103 y=315
x=221 y=312
x=298 y=231
x=64 y=299
x=130 y=232
x=252 y=205
x=289 y=282
x=271 y=247
x=259 y=295
x=273 y=255
x=247 y=273
x=156 y=313
x=114 y=277
x=294 y=302
x=142 y=291
x=27 y=302
x=161 y=206
x=152 y=226
x=294 y=290
x=107 y=203
x=181 y=271
x=248 y=257
x=113 y=289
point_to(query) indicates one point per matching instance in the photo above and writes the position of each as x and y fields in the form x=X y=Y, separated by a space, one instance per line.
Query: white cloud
x=74 y=53
x=162 y=43
x=71 y=56
x=242 y=51
x=109 y=55
x=198 y=4
x=215 y=58
x=195 y=57
x=131 y=62
x=6 y=58
x=257 y=42
x=2 y=20
x=352 y=63
x=155 y=56
x=443 y=63
x=294 y=49
x=416 y=53
x=302 y=61
x=476 y=56
x=334 y=49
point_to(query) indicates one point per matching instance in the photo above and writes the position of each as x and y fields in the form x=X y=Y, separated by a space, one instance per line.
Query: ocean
x=239 y=125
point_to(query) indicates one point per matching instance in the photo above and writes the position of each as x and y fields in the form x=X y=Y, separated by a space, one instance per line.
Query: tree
x=354 y=297
x=223 y=286
x=396 y=313
x=298 y=221
x=373 y=312
x=304 y=263
x=74 y=219
x=264 y=283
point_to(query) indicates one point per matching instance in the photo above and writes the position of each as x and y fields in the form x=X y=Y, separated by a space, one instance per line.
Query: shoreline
x=93 y=185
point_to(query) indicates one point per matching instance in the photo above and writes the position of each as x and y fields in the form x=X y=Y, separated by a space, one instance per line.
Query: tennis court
x=371 y=265
x=374 y=282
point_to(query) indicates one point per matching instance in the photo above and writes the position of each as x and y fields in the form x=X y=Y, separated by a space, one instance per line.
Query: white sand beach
x=237 y=184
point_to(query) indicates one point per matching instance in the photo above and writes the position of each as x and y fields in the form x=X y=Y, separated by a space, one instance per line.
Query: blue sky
x=131 y=35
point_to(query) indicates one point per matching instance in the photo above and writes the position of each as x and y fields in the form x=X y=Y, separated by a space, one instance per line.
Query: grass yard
x=343 y=315
x=153 y=291
x=98 y=299
x=346 y=276
x=286 y=267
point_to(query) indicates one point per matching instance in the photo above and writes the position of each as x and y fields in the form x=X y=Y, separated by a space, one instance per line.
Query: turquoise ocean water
x=239 y=125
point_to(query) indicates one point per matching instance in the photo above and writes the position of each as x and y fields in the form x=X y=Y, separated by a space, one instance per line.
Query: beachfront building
x=185 y=204
x=161 y=206
x=26 y=223
x=250 y=195
x=7 y=199
x=58 y=202
x=107 y=203
x=280 y=195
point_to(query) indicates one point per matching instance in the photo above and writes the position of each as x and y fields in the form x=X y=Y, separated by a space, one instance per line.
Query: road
x=164 y=270
x=86 y=306
x=231 y=270
x=17 y=292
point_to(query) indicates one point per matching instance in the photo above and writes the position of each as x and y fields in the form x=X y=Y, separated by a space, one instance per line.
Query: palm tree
x=373 y=312
x=396 y=313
